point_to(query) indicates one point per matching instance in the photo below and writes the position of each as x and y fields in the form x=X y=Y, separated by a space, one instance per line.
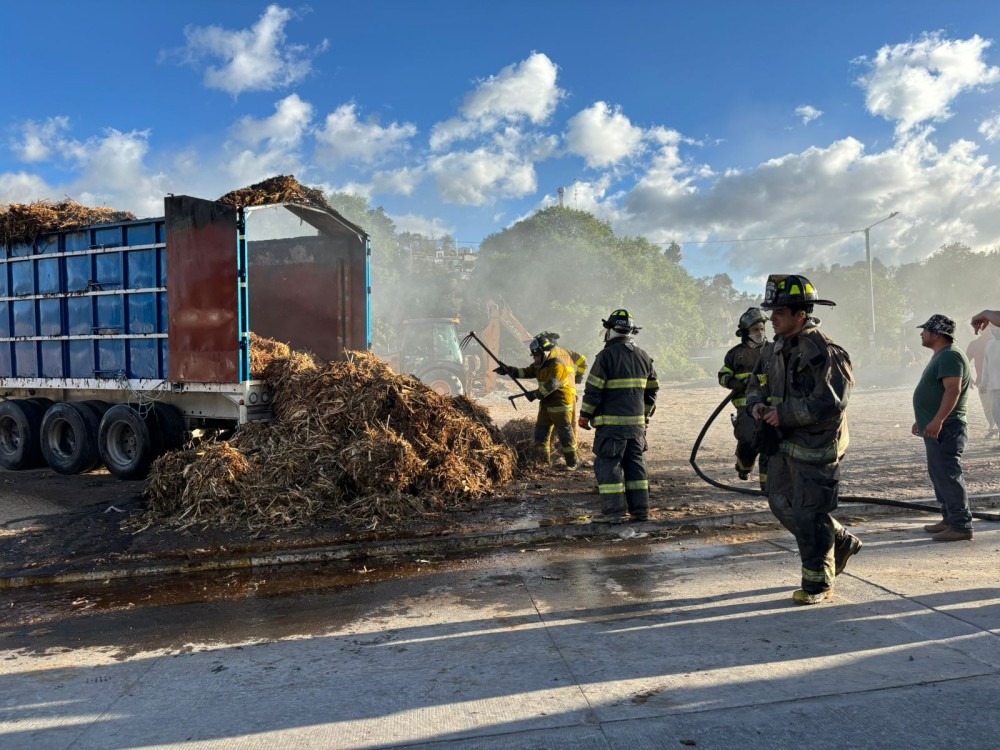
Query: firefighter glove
x=584 y=423
x=531 y=395
x=504 y=370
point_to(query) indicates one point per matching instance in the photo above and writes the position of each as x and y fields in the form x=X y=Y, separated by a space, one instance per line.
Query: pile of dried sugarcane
x=280 y=189
x=24 y=222
x=350 y=441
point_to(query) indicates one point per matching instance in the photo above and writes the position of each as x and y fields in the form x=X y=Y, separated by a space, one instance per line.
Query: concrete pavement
x=636 y=643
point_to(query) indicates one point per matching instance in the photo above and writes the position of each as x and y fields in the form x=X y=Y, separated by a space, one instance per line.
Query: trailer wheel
x=100 y=408
x=171 y=428
x=443 y=382
x=69 y=438
x=43 y=403
x=125 y=441
x=20 y=430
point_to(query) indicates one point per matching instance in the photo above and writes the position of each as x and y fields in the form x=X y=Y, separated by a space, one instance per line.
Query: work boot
x=601 y=518
x=953 y=535
x=638 y=517
x=744 y=475
x=845 y=552
x=804 y=597
x=567 y=467
x=934 y=528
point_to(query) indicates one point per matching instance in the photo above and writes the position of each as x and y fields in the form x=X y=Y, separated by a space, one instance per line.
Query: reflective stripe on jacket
x=555 y=382
x=808 y=379
x=621 y=387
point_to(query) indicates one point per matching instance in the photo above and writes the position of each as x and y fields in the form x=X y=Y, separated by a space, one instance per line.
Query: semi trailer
x=117 y=340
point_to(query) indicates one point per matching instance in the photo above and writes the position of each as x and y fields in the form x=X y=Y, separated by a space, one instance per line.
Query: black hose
x=936 y=509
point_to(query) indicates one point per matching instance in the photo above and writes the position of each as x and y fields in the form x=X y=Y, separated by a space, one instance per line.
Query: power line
x=764 y=239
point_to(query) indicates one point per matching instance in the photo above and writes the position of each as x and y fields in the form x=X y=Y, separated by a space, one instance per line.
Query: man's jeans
x=944 y=464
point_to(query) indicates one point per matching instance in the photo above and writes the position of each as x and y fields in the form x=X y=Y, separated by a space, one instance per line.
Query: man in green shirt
x=939 y=404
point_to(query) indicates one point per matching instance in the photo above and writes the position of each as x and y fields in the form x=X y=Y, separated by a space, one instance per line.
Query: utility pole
x=871 y=281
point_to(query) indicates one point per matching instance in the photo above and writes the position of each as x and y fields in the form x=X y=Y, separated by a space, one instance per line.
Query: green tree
x=564 y=270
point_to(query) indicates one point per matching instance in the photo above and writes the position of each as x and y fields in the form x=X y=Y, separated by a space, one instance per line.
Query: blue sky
x=699 y=122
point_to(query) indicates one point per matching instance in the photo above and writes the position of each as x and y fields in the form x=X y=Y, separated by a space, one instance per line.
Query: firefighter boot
x=801 y=596
x=844 y=551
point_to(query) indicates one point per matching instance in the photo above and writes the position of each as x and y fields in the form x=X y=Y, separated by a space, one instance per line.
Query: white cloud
x=525 y=90
x=284 y=129
x=808 y=113
x=943 y=195
x=21 y=187
x=263 y=148
x=421 y=225
x=255 y=59
x=473 y=178
x=344 y=138
x=990 y=127
x=602 y=136
x=38 y=140
x=398 y=181
x=914 y=82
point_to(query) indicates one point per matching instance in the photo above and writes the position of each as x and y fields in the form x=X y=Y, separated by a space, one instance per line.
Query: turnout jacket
x=736 y=369
x=555 y=382
x=621 y=388
x=574 y=360
x=808 y=379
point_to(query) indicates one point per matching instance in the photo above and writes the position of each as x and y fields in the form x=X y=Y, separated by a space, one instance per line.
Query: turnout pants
x=746 y=454
x=802 y=496
x=556 y=418
x=620 y=468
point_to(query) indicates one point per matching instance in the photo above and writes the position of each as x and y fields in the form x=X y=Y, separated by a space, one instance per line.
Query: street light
x=871 y=280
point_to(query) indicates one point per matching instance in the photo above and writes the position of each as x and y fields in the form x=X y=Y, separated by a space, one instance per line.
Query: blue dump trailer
x=117 y=340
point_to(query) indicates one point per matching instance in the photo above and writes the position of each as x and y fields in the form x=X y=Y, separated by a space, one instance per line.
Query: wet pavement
x=606 y=643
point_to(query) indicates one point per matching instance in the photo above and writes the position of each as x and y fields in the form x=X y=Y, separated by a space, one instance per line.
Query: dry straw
x=351 y=442
x=23 y=223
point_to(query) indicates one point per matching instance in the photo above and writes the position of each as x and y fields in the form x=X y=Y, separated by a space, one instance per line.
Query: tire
x=100 y=408
x=127 y=442
x=20 y=431
x=443 y=382
x=171 y=428
x=44 y=403
x=69 y=438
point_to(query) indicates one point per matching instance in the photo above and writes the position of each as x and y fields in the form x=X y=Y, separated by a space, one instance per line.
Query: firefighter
x=574 y=360
x=736 y=368
x=577 y=364
x=619 y=399
x=798 y=394
x=556 y=393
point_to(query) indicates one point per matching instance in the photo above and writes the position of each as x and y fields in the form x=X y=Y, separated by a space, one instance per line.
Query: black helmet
x=541 y=344
x=620 y=321
x=550 y=335
x=790 y=290
x=749 y=319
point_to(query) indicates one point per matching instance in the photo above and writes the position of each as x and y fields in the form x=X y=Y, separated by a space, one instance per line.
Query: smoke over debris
x=350 y=442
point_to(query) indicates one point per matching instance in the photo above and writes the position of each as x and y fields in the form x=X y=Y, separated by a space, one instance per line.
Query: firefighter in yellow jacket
x=556 y=394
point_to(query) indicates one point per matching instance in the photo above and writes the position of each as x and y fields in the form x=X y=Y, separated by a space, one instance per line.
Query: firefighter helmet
x=790 y=290
x=541 y=344
x=620 y=321
x=753 y=316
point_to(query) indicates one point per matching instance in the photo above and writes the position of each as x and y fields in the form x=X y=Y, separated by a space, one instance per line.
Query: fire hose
x=846 y=498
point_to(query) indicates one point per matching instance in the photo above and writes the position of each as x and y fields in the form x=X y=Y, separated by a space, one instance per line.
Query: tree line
x=564 y=270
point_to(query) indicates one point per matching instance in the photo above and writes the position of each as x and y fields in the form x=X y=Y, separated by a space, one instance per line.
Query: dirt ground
x=49 y=522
